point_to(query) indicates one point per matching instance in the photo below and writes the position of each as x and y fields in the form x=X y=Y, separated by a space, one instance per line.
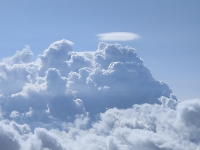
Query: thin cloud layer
x=108 y=98
x=118 y=36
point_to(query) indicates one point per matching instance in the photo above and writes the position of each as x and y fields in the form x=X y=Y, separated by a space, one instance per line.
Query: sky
x=116 y=74
x=169 y=32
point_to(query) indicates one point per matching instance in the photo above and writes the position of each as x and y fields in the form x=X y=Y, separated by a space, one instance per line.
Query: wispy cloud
x=118 y=36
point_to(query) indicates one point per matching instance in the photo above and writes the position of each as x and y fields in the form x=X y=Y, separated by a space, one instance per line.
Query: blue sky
x=169 y=31
x=56 y=96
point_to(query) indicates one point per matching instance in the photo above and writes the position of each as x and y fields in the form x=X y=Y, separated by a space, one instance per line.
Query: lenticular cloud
x=106 y=99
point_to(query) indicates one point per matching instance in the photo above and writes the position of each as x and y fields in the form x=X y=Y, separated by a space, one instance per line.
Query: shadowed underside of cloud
x=118 y=36
x=108 y=98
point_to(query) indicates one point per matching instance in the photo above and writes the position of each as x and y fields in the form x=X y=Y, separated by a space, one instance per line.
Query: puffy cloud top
x=24 y=56
x=56 y=55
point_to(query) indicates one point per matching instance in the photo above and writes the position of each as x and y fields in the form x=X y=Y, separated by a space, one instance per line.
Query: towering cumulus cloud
x=107 y=99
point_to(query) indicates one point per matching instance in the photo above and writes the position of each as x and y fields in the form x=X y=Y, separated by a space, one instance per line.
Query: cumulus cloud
x=108 y=98
x=62 y=83
x=117 y=36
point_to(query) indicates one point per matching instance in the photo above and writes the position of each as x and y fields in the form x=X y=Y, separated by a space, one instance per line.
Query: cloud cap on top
x=118 y=36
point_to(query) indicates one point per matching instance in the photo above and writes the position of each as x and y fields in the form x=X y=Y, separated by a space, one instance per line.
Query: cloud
x=143 y=126
x=24 y=56
x=62 y=83
x=108 y=98
x=118 y=36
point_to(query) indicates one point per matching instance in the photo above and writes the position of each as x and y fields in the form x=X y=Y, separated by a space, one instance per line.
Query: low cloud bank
x=105 y=99
x=145 y=126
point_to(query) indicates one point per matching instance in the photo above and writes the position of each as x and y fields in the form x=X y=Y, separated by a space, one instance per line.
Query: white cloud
x=118 y=36
x=113 y=76
x=108 y=98
x=24 y=56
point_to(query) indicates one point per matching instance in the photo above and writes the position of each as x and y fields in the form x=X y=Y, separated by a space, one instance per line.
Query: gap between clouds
x=118 y=36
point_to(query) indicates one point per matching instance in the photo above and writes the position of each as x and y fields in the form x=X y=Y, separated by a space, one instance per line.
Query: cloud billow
x=108 y=98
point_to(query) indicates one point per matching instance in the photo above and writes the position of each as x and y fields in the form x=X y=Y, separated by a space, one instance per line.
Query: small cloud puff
x=118 y=36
